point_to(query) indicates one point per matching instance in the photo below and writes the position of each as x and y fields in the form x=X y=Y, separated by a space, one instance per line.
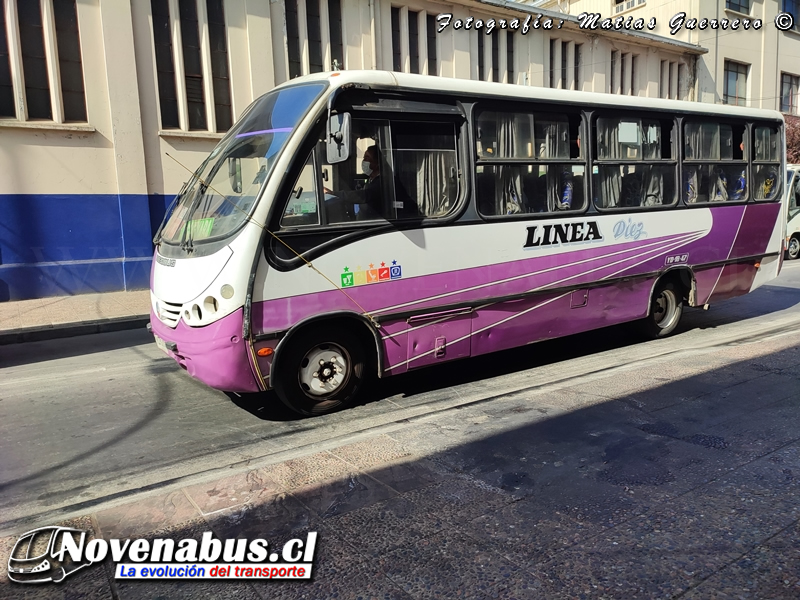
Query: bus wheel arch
x=793 y=249
x=670 y=292
x=324 y=363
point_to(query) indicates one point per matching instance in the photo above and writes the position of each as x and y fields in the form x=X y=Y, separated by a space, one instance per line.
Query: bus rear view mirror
x=338 y=143
x=235 y=174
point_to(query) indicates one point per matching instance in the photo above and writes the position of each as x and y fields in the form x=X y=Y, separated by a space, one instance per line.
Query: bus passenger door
x=439 y=337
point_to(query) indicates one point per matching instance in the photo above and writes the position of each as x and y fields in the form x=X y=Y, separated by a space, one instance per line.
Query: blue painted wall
x=53 y=245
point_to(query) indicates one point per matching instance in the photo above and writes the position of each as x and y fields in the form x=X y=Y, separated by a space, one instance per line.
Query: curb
x=53 y=332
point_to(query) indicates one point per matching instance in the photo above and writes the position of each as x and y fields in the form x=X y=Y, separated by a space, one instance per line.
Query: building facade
x=107 y=106
x=752 y=60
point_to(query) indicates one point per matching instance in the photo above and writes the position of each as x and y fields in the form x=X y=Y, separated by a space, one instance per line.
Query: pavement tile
x=301 y=472
x=404 y=476
x=343 y=494
x=447 y=565
x=459 y=499
x=274 y=518
x=764 y=480
x=762 y=431
x=656 y=555
x=340 y=573
x=739 y=401
x=374 y=451
x=520 y=585
x=527 y=534
x=243 y=488
x=770 y=571
x=145 y=515
x=388 y=525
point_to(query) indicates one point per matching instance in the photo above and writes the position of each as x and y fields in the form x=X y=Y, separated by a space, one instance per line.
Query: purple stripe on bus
x=281 y=313
x=735 y=280
x=756 y=229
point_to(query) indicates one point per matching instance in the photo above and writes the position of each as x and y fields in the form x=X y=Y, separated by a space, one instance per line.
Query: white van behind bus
x=793 y=218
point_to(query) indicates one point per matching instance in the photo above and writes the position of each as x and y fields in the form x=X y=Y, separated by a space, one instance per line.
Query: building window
x=793 y=8
x=553 y=81
x=669 y=81
x=634 y=90
x=304 y=26
x=193 y=77
x=735 y=84
x=481 y=59
x=789 y=91
x=413 y=41
x=564 y=56
x=335 y=22
x=742 y=6
x=314 y=29
x=495 y=58
x=576 y=72
x=48 y=84
x=433 y=68
x=6 y=83
x=510 y=57
x=396 y=53
x=292 y=40
x=70 y=67
x=614 y=60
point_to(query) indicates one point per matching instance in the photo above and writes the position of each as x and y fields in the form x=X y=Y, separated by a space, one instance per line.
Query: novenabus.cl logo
x=39 y=555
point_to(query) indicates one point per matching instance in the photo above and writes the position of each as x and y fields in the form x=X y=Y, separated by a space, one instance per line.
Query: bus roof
x=506 y=91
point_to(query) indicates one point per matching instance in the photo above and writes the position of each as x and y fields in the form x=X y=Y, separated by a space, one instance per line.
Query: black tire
x=666 y=310
x=317 y=389
x=793 y=251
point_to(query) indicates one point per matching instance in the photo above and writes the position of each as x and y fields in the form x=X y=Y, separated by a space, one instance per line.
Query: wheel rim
x=794 y=247
x=324 y=370
x=665 y=309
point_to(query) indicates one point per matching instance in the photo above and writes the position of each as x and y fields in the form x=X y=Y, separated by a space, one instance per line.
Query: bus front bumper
x=215 y=354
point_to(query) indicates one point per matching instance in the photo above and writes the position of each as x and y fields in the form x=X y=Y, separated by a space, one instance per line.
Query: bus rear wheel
x=793 y=251
x=666 y=309
x=321 y=371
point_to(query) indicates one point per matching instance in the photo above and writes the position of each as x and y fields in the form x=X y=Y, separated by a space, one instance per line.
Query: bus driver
x=367 y=202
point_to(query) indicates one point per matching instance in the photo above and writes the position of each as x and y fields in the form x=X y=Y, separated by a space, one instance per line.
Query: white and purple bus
x=367 y=223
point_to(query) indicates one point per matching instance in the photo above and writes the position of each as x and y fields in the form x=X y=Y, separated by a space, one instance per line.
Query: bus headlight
x=226 y=291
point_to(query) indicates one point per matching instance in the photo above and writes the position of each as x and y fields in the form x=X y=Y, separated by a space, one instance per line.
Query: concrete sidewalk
x=66 y=316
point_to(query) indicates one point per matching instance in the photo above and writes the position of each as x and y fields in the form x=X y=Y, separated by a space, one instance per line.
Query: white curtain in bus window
x=632 y=183
x=720 y=181
x=767 y=162
x=426 y=183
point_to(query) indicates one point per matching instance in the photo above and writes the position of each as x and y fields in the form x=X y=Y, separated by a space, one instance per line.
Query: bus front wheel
x=793 y=251
x=322 y=370
x=666 y=309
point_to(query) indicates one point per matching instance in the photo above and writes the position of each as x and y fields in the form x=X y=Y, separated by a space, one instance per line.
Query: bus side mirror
x=338 y=142
x=235 y=174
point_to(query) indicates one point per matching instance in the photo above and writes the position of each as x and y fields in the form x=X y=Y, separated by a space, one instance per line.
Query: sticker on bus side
x=373 y=274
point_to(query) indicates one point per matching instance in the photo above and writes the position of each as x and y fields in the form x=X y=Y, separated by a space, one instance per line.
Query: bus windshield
x=222 y=192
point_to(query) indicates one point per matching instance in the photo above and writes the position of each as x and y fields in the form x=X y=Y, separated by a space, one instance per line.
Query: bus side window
x=425 y=169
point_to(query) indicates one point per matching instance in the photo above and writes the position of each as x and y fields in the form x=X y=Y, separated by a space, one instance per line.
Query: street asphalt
x=594 y=466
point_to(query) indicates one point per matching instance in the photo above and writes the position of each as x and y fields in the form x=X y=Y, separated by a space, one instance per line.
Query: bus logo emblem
x=373 y=274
